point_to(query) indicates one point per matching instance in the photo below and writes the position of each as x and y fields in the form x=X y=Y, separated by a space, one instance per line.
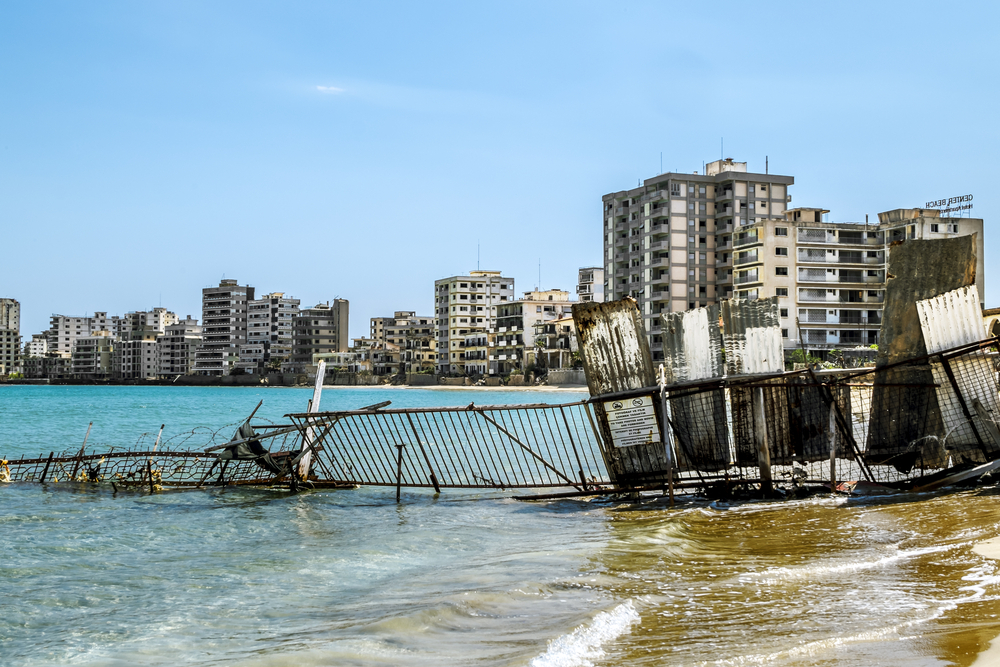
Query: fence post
x=399 y=469
x=763 y=453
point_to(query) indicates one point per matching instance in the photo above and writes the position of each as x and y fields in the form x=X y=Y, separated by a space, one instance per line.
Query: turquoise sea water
x=348 y=577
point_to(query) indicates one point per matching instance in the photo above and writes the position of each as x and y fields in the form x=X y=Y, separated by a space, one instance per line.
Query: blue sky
x=362 y=150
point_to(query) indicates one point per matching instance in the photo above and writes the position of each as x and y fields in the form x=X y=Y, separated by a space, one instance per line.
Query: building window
x=784 y=333
x=783 y=312
x=934 y=227
x=781 y=291
x=781 y=252
x=781 y=270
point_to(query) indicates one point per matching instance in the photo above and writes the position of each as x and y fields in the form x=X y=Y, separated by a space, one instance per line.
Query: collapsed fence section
x=495 y=447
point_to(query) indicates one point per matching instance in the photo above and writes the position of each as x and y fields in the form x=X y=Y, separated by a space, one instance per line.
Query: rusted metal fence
x=496 y=447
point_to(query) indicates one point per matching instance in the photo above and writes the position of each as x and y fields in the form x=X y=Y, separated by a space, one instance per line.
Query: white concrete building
x=464 y=306
x=590 y=284
x=64 y=330
x=269 y=332
x=176 y=348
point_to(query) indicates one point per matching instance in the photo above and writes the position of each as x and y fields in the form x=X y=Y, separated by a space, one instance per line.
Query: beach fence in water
x=910 y=418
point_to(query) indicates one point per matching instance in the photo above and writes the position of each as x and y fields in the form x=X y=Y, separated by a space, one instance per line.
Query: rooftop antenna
x=661 y=162
x=765 y=164
x=722 y=148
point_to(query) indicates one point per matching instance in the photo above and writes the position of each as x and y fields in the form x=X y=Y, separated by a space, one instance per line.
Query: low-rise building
x=516 y=326
x=413 y=339
x=93 y=356
x=555 y=344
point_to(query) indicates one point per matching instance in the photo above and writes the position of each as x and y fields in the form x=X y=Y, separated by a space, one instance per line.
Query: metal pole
x=399 y=469
x=665 y=433
x=46 y=471
x=76 y=466
x=763 y=453
x=833 y=451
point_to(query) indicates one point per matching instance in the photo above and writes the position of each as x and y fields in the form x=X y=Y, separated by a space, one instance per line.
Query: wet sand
x=991 y=656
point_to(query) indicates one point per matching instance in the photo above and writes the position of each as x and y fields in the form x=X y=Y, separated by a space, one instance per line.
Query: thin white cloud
x=329 y=89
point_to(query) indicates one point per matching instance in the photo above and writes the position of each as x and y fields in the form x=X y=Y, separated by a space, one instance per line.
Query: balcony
x=746 y=259
x=752 y=277
x=749 y=239
x=841 y=276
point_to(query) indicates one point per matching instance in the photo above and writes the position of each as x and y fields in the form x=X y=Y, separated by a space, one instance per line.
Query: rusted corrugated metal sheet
x=692 y=350
x=613 y=346
x=751 y=336
x=906 y=426
x=947 y=321
x=951 y=319
x=692 y=344
x=616 y=358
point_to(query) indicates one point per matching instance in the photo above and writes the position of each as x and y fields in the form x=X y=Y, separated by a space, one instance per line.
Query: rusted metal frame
x=965 y=407
x=318 y=449
x=383 y=427
x=507 y=452
x=399 y=468
x=45 y=472
x=527 y=432
x=561 y=448
x=423 y=452
x=527 y=449
x=498 y=470
x=345 y=413
x=444 y=459
x=583 y=477
x=242 y=440
x=582 y=435
x=473 y=445
x=415 y=472
x=362 y=430
x=447 y=440
x=443 y=440
x=76 y=466
x=362 y=462
x=601 y=445
x=373 y=462
x=845 y=429
x=532 y=473
x=337 y=452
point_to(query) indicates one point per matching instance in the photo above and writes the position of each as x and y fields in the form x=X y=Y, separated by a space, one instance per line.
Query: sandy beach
x=991 y=656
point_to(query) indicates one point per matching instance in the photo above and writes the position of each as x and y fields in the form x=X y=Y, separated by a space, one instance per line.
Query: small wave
x=773 y=574
x=584 y=644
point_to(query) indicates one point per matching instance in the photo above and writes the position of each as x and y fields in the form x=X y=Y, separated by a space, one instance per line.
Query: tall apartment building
x=224 y=326
x=64 y=330
x=319 y=330
x=669 y=243
x=465 y=307
x=176 y=348
x=269 y=332
x=519 y=322
x=10 y=335
x=590 y=284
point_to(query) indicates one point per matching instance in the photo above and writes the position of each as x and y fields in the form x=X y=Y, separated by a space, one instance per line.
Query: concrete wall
x=421 y=379
x=456 y=382
x=567 y=376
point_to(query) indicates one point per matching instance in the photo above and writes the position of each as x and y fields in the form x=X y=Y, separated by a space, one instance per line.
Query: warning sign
x=632 y=421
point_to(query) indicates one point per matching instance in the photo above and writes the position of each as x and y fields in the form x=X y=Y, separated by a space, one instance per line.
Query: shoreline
x=991 y=656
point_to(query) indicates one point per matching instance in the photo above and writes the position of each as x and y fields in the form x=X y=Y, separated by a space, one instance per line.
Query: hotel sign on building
x=952 y=204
